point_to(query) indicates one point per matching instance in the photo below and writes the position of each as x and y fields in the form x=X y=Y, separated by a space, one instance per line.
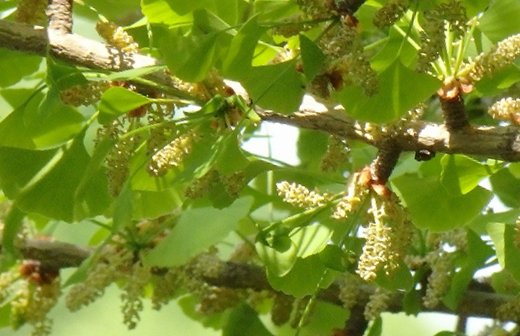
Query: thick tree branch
x=478 y=301
x=488 y=142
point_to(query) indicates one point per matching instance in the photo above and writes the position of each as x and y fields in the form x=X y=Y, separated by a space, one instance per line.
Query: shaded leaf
x=197 y=230
x=244 y=320
x=312 y=57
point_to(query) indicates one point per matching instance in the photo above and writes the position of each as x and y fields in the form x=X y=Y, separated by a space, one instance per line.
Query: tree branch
x=478 y=301
x=501 y=142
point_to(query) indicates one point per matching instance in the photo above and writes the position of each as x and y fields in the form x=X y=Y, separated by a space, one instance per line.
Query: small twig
x=453 y=109
x=385 y=161
x=60 y=16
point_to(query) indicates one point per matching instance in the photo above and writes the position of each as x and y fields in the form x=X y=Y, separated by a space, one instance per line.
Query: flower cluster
x=439 y=281
x=387 y=237
x=300 y=196
x=349 y=289
x=337 y=154
x=377 y=303
x=498 y=58
x=390 y=13
x=116 y=36
x=344 y=49
x=451 y=13
x=171 y=155
x=293 y=25
x=133 y=293
x=32 y=12
x=506 y=109
x=357 y=191
x=88 y=94
x=110 y=267
x=32 y=303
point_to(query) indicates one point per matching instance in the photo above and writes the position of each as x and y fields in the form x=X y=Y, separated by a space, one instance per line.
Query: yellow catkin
x=498 y=58
x=506 y=109
x=300 y=196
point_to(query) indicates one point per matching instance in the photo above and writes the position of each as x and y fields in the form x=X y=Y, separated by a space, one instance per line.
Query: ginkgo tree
x=132 y=116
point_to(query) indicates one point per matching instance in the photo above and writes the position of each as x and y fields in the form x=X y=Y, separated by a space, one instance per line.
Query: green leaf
x=231 y=157
x=478 y=253
x=333 y=257
x=134 y=73
x=244 y=321
x=117 y=101
x=62 y=76
x=13 y=179
x=153 y=204
x=271 y=10
x=15 y=65
x=51 y=193
x=188 y=57
x=312 y=57
x=161 y=11
x=388 y=54
x=311 y=269
x=311 y=239
x=376 y=328
x=461 y=174
x=278 y=255
x=432 y=206
x=183 y=7
x=400 y=89
x=197 y=230
x=123 y=209
x=277 y=87
x=503 y=237
x=507 y=187
x=12 y=225
x=53 y=122
x=412 y=303
x=242 y=49
x=401 y=279
x=500 y=20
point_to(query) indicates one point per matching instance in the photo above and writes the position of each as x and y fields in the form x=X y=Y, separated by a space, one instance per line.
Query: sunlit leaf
x=242 y=49
x=507 y=187
x=265 y=83
x=188 y=57
x=499 y=20
x=503 y=236
x=432 y=206
x=117 y=101
x=161 y=11
x=278 y=256
x=15 y=65
x=400 y=89
x=461 y=174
